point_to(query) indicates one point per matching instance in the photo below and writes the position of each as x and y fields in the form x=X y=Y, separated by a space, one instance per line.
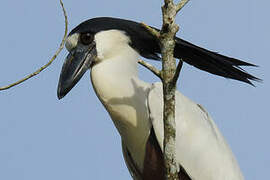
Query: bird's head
x=96 y=39
x=82 y=54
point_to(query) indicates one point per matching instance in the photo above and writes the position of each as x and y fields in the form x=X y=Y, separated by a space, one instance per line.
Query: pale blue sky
x=43 y=138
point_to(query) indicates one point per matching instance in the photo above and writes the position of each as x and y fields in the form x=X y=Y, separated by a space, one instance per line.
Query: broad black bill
x=76 y=64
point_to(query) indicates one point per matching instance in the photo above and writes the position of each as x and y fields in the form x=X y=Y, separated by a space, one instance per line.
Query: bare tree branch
x=177 y=72
x=51 y=60
x=169 y=76
x=151 y=68
x=181 y=4
x=167 y=43
x=151 y=30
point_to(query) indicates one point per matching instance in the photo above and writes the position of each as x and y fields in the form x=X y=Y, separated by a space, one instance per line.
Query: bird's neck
x=111 y=78
x=124 y=96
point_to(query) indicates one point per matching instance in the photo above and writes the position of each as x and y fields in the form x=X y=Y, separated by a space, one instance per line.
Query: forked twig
x=177 y=72
x=51 y=60
x=151 y=30
x=181 y=4
x=152 y=68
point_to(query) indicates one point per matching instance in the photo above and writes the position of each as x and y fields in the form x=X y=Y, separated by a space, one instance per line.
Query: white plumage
x=135 y=106
x=201 y=149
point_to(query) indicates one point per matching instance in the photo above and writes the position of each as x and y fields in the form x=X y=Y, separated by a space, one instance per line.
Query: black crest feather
x=148 y=46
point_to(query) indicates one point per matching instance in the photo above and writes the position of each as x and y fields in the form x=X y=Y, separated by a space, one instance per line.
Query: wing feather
x=201 y=149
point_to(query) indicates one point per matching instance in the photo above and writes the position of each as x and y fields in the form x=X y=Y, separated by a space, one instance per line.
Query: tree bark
x=169 y=77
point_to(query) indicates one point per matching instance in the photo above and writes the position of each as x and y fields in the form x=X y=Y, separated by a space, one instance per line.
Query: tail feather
x=213 y=62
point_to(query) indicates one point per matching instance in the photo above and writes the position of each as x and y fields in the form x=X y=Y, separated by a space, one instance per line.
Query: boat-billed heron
x=111 y=48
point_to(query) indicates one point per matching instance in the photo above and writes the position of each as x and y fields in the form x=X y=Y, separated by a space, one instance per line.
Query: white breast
x=116 y=83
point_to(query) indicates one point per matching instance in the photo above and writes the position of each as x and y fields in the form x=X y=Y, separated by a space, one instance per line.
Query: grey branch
x=151 y=68
x=177 y=72
x=169 y=76
x=51 y=60
x=181 y=4
x=151 y=30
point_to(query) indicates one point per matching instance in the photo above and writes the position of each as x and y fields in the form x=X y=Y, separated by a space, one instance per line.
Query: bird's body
x=136 y=107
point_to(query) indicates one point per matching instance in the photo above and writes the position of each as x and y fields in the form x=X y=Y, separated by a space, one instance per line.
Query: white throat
x=116 y=83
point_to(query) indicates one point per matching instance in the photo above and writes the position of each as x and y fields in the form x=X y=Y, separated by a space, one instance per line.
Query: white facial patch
x=110 y=43
x=72 y=41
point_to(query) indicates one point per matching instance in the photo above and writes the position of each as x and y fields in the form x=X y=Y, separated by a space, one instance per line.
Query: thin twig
x=52 y=59
x=151 y=68
x=151 y=30
x=177 y=72
x=181 y=4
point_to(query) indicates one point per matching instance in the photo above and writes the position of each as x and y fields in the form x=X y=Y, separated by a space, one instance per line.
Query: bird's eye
x=86 y=38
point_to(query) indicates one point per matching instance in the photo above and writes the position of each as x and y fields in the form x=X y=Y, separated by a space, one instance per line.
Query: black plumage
x=148 y=46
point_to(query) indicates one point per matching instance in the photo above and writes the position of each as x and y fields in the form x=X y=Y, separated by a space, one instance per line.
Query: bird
x=110 y=48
